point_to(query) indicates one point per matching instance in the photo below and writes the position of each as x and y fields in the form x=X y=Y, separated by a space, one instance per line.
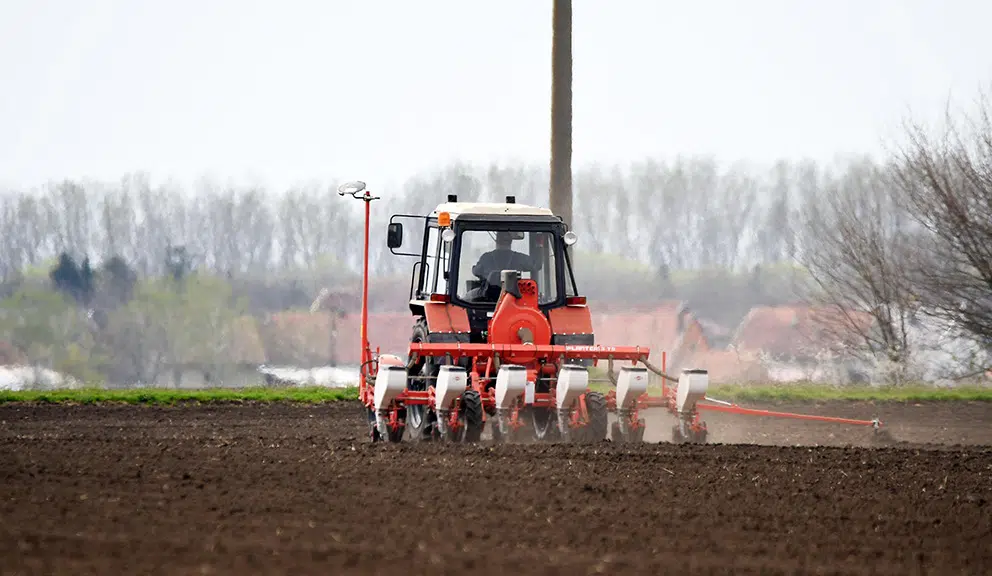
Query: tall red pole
x=365 y=298
x=353 y=189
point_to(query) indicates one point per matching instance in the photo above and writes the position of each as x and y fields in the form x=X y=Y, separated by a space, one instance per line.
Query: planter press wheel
x=544 y=421
x=595 y=430
x=617 y=435
x=374 y=430
x=545 y=424
x=688 y=436
x=470 y=417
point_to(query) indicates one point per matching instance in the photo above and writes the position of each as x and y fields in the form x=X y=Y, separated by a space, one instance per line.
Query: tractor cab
x=463 y=248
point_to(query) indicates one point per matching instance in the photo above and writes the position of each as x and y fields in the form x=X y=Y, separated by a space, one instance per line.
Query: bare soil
x=284 y=489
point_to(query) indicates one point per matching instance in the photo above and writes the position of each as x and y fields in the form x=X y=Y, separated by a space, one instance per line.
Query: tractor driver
x=491 y=263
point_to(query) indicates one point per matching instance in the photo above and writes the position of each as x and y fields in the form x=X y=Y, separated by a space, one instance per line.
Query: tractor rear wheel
x=419 y=419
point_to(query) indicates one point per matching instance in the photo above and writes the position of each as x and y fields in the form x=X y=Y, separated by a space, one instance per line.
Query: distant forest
x=895 y=238
x=654 y=224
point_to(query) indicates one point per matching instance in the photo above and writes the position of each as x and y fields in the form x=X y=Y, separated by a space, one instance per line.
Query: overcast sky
x=284 y=91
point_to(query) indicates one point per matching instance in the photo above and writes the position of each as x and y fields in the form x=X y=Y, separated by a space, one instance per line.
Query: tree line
x=897 y=239
x=686 y=213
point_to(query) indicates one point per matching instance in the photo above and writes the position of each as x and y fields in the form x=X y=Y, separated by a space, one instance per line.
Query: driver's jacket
x=499 y=260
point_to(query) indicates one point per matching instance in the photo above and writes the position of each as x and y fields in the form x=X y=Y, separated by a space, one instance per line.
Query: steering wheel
x=487 y=283
x=493 y=278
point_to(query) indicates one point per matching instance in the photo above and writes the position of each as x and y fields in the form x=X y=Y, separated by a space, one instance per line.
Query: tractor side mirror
x=394 y=235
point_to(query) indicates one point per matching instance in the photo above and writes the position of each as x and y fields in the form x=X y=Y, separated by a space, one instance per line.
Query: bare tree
x=851 y=245
x=662 y=213
x=10 y=252
x=68 y=214
x=945 y=182
x=32 y=232
x=775 y=236
x=737 y=197
x=594 y=198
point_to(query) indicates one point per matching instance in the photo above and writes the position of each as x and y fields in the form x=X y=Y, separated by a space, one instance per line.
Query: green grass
x=314 y=395
x=166 y=396
x=820 y=392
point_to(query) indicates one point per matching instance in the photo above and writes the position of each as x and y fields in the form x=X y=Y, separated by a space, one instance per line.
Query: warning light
x=444 y=219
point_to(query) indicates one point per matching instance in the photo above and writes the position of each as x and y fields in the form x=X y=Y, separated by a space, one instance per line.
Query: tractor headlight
x=448 y=235
x=570 y=238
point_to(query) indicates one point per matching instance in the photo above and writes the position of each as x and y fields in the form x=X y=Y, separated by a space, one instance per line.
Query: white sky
x=285 y=91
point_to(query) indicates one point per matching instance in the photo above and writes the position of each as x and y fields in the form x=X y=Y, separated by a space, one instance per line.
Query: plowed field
x=283 y=489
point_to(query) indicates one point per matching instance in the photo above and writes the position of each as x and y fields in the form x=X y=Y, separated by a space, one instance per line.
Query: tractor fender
x=572 y=325
x=570 y=320
x=444 y=318
x=390 y=360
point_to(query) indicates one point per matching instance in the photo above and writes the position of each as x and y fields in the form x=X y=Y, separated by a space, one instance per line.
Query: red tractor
x=501 y=334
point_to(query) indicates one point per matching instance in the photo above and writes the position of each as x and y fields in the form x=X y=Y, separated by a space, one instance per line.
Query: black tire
x=639 y=436
x=394 y=437
x=700 y=437
x=373 y=429
x=470 y=415
x=398 y=435
x=615 y=434
x=496 y=434
x=544 y=424
x=632 y=436
x=544 y=421
x=692 y=438
x=595 y=430
x=419 y=419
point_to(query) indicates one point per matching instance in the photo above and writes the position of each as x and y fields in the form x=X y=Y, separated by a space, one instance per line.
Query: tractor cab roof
x=479 y=210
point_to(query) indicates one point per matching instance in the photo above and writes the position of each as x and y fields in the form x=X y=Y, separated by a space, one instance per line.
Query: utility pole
x=561 y=111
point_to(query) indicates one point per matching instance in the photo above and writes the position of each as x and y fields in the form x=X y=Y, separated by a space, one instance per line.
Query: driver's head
x=504 y=240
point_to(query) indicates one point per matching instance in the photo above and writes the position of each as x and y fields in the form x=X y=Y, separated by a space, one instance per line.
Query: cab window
x=485 y=253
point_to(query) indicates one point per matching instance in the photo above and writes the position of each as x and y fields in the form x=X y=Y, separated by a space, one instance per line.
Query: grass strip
x=170 y=396
x=315 y=395
x=820 y=392
x=808 y=392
